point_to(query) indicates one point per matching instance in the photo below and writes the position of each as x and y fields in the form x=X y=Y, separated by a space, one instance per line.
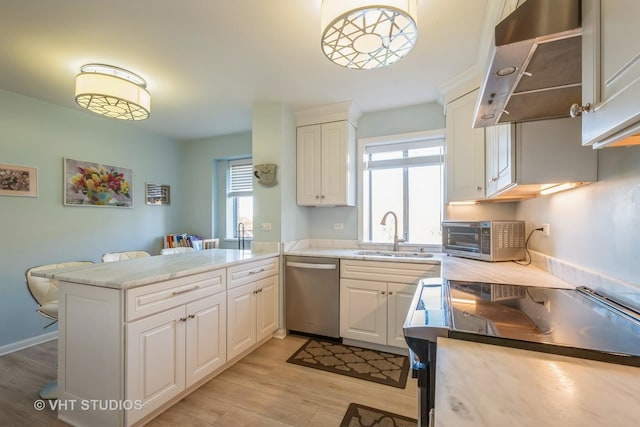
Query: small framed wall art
x=18 y=181
x=157 y=194
x=95 y=184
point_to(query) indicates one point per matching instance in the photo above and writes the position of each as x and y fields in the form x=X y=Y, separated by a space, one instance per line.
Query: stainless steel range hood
x=535 y=70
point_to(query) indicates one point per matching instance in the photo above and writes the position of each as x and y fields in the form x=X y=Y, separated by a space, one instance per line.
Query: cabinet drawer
x=387 y=271
x=245 y=273
x=146 y=300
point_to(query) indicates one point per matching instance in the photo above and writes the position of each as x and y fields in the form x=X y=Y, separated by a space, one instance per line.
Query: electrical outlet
x=545 y=230
x=338 y=226
x=266 y=226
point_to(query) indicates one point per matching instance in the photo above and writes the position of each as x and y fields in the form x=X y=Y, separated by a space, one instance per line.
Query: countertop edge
x=79 y=275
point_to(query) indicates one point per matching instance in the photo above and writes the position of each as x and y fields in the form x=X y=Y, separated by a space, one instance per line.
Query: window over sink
x=404 y=174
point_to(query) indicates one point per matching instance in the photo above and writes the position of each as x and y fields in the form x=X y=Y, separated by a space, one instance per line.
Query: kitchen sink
x=393 y=254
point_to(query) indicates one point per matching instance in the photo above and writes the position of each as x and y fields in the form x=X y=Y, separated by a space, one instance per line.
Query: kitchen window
x=403 y=174
x=239 y=199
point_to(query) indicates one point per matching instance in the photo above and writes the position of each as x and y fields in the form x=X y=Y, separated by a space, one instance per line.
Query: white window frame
x=230 y=220
x=436 y=134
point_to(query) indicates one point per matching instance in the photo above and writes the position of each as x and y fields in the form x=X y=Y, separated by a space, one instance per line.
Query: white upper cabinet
x=500 y=168
x=464 y=161
x=326 y=164
x=610 y=72
x=525 y=158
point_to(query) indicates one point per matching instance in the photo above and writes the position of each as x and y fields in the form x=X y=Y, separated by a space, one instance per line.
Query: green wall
x=41 y=230
x=201 y=181
x=274 y=141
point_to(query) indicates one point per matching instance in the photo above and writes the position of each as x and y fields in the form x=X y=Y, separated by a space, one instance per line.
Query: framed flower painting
x=96 y=184
x=18 y=181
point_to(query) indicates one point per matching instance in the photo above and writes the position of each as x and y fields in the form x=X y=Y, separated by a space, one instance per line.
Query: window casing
x=403 y=174
x=239 y=199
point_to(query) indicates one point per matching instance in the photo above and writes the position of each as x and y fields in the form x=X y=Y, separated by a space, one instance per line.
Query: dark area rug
x=370 y=365
x=359 y=415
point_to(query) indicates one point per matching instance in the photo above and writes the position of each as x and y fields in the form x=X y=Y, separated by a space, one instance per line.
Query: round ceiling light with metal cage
x=363 y=35
x=113 y=92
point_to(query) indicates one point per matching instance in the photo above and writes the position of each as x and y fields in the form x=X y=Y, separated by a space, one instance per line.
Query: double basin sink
x=393 y=254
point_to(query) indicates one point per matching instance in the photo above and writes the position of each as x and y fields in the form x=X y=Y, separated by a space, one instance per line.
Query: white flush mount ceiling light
x=366 y=34
x=112 y=92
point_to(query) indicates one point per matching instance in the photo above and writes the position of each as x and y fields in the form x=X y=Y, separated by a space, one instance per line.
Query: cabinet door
x=363 y=310
x=464 y=159
x=267 y=307
x=241 y=319
x=398 y=304
x=500 y=158
x=206 y=339
x=309 y=154
x=155 y=360
x=338 y=156
x=610 y=70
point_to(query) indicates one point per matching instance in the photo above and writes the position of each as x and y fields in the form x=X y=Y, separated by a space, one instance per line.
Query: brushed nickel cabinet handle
x=186 y=290
x=577 y=110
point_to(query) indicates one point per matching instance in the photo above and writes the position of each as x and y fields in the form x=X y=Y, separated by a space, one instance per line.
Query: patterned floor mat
x=360 y=416
x=370 y=365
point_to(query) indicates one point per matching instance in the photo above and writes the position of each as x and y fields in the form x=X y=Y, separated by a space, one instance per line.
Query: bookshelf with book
x=181 y=240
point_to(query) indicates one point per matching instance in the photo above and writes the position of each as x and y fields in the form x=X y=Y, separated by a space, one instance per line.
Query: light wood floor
x=260 y=390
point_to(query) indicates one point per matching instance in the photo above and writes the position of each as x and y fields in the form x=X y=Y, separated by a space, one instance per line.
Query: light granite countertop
x=455 y=268
x=485 y=385
x=434 y=258
x=143 y=271
x=506 y=272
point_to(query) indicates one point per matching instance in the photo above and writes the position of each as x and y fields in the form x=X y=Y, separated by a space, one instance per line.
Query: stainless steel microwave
x=484 y=240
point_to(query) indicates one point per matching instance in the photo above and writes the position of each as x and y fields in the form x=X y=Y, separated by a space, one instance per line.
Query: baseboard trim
x=280 y=333
x=29 y=342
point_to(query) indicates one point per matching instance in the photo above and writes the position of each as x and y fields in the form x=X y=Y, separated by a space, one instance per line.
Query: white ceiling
x=208 y=61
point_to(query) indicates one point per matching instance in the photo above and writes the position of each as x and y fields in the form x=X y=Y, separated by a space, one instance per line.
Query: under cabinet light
x=558 y=188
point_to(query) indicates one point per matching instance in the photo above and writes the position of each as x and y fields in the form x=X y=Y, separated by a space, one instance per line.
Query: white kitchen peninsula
x=136 y=336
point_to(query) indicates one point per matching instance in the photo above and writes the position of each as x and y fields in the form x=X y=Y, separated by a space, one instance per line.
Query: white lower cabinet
x=375 y=298
x=252 y=314
x=145 y=347
x=170 y=351
x=374 y=311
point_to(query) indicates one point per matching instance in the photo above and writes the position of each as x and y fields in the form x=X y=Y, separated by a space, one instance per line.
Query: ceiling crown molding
x=328 y=113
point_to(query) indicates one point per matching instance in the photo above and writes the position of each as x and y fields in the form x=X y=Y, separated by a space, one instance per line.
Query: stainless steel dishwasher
x=312 y=295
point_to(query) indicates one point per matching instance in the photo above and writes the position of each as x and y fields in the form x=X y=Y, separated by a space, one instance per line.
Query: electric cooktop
x=579 y=323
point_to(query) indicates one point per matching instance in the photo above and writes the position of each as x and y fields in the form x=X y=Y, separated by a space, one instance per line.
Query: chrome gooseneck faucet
x=240 y=231
x=395 y=229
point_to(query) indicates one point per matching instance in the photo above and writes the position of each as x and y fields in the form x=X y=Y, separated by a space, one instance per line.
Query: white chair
x=210 y=243
x=45 y=293
x=180 y=250
x=123 y=256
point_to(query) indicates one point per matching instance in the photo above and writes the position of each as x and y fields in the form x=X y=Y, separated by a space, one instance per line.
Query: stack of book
x=183 y=240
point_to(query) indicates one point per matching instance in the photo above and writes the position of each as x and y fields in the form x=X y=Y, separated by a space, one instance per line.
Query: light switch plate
x=265 y=226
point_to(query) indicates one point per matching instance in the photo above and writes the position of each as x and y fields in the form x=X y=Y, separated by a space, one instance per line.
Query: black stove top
x=577 y=323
